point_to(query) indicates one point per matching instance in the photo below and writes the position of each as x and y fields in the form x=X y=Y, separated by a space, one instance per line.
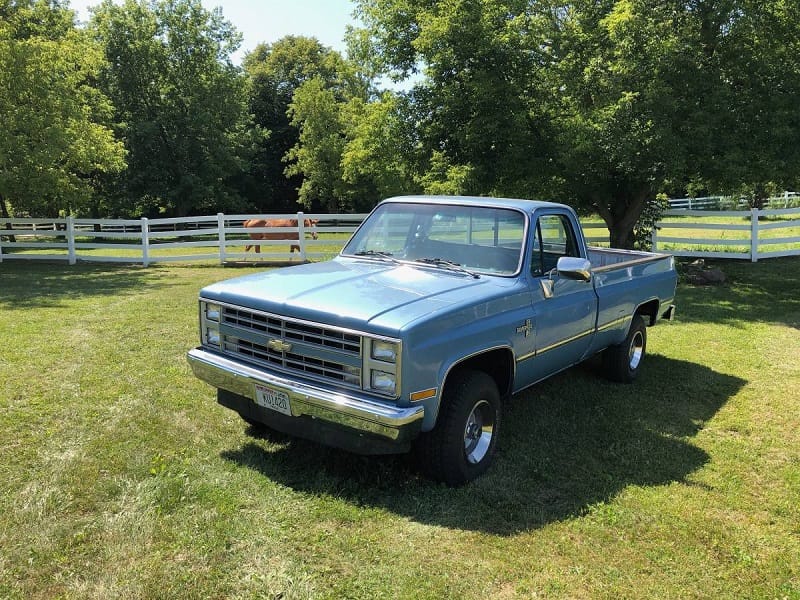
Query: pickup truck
x=435 y=312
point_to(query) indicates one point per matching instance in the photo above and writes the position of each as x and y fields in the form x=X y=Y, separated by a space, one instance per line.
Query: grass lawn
x=120 y=477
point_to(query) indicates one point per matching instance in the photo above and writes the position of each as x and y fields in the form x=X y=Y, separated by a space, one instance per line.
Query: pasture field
x=120 y=476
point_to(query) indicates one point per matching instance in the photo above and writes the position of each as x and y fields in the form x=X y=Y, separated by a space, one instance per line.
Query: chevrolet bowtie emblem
x=526 y=328
x=279 y=345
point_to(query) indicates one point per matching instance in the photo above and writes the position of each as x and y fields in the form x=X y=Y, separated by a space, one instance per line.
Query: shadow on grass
x=46 y=284
x=766 y=291
x=567 y=444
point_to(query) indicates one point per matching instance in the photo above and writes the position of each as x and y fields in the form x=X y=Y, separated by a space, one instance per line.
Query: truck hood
x=353 y=293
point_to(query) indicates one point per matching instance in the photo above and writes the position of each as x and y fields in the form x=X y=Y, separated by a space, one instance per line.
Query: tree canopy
x=179 y=104
x=55 y=137
x=603 y=104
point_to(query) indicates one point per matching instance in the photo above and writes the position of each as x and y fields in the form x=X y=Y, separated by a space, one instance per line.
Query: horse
x=310 y=224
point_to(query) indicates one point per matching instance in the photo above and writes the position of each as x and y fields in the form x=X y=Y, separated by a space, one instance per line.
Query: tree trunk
x=621 y=237
x=621 y=213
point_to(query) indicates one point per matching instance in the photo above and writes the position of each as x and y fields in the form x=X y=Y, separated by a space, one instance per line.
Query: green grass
x=120 y=477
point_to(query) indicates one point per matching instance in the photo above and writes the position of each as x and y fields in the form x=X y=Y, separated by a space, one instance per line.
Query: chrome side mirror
x=571 y=267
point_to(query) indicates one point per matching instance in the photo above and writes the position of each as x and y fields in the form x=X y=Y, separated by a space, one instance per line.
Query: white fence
x=785 y=200
x=146 y=241
x=749 y=235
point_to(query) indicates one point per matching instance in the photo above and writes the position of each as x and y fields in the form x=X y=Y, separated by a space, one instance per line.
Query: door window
x=553 y=238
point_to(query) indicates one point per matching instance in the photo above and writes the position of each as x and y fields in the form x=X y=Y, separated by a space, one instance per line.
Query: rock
x=710 y=276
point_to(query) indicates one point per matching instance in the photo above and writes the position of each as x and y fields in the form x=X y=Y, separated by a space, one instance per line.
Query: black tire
x=462 y=444
x=622 y=362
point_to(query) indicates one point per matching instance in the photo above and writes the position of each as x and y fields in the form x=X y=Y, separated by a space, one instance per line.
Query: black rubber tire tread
x=440 y=452
x=616 y=361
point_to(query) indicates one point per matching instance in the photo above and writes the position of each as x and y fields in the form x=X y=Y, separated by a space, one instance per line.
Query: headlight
x=383 y=382
x=211 y=336
x=385 y=351
x=212 y=312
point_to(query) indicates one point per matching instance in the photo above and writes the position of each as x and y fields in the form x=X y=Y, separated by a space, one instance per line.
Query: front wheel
x=461 y=445
x=623 y=361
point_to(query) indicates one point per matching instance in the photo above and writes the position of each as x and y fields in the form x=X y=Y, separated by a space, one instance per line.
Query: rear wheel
x=622 y=362
x=462 y=445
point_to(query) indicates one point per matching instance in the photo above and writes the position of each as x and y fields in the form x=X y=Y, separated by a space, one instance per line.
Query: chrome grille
x=292 y=330
x=316 y=351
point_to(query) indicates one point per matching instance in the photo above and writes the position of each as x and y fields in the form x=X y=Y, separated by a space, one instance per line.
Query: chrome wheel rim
x=478 y=432
x=636 y=351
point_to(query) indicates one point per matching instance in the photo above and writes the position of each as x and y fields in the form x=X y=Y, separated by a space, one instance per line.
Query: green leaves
x=54 y=135
x=180 y=103
x=602 y=104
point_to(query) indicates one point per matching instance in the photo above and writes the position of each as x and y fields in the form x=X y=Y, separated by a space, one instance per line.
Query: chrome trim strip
x=613 y=323
x=629 y=263
x=566 y=341
x=556 y=345
x=526 y=356
x=390 y=422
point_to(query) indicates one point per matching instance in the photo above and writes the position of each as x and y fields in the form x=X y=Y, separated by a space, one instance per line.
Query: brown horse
x=309 y=224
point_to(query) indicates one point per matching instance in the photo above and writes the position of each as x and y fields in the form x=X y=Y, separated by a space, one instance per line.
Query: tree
x=378 y=157
x=602 y=104
x=274 y=72
x=180 y=104
x=54 y=136
x=318 y=153
x=352 y=152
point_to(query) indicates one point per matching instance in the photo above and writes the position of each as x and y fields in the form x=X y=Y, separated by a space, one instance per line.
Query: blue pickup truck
x=435 y=311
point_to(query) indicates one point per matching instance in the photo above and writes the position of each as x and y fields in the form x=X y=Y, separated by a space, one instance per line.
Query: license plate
x=273 y=399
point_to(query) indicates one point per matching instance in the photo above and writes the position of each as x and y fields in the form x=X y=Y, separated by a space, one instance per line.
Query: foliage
x=180 y=104
x=652 y=213
x=601 y=104
x=54 y=138
x=375 y=161
x=352 y=145
x=317 y=155
x=274 y=73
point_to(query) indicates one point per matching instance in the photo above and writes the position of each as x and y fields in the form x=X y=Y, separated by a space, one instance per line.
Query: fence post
x=221 y=237
x=301 y=235
x=754 y=235
x=71 y=240
x=654 y=238
x=145 y=242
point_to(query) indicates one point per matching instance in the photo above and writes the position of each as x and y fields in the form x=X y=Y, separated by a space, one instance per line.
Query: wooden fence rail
x=752 y=235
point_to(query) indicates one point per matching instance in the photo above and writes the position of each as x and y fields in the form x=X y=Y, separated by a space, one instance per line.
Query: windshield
x=477 y=238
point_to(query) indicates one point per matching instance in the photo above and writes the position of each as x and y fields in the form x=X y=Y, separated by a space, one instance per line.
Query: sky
x=270 y=20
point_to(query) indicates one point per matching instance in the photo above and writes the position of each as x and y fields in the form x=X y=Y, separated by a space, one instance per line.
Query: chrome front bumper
x=390 y=423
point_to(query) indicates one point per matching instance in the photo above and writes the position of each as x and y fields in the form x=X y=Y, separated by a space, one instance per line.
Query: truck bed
x=609 y=258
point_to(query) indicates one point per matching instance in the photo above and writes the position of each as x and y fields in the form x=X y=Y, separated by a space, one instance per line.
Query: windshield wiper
x=376 y=254
x=447 y=264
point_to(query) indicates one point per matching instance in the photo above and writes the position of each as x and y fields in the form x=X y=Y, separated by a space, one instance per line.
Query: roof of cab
x=516 y=203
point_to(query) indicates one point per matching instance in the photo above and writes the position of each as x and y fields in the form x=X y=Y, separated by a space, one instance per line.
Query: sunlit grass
x=121 y=476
